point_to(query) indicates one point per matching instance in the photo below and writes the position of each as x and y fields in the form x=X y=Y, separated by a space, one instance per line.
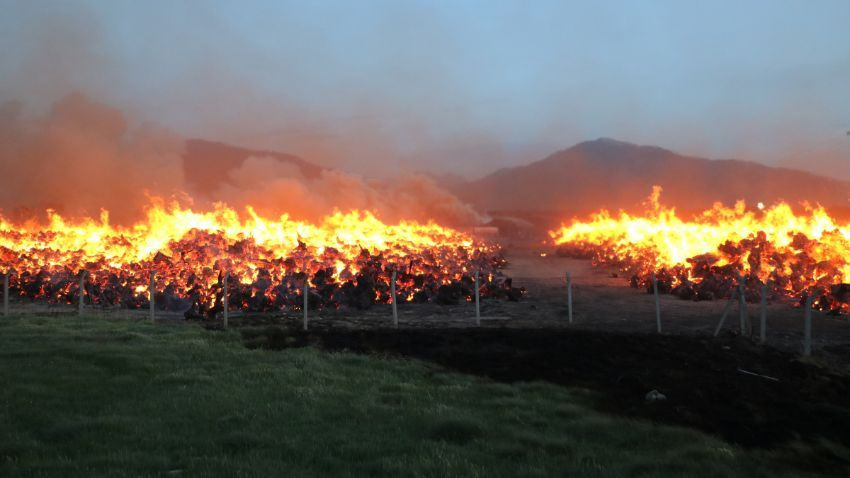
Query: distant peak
x=609 y=145
x=603 y=144
x=611 y=142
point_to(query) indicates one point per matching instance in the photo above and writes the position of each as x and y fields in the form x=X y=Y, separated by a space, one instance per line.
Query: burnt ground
x=602 y=301
x=702 y=378
x=612 y=350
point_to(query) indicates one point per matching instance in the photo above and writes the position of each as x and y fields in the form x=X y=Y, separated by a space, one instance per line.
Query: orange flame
x=797 y=253
x=267 y=257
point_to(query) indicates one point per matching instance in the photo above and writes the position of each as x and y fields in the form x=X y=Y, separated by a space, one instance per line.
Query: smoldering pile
x=752 y=263
x=441 y=275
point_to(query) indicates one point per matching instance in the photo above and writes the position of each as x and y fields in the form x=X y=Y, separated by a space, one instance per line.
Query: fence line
x=737 y=296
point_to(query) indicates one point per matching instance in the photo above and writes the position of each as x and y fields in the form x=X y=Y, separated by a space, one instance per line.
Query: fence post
x=306 y=290
x=305 y=293
x=807 y=325
x=477 y=303
x=726 y=311
x=82 y=292
x=225 y=299
x=152 y=294
x=742 y=307
x=6 y=294
x=82 y=303
x=763 y=318
x=394 y=299
x=657 y=303
x=569 y=297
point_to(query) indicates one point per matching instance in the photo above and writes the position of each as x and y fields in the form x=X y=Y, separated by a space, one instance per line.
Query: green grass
x=127 y=398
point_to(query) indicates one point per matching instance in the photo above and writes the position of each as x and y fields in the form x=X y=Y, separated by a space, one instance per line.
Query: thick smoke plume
x=83 y=156
x=271 y=187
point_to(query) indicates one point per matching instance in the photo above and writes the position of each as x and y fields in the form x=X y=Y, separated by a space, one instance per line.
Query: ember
x=347 y=259
x=796 y=255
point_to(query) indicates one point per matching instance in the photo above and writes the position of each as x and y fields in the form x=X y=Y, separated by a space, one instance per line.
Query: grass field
x=86 y=397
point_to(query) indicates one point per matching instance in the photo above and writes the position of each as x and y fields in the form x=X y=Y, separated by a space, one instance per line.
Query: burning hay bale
x=346 y=261
x=702 y=259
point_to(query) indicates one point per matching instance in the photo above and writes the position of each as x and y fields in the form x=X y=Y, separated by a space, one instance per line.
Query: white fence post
x=395 y=300
x=807 y=325
x=306 y=291
x=305 y=294
x=742 y=307
x=477 y=303
x=726 y=311
x=763 y=318
x=569 y=297
x=82 y=292
x=152 y=295
x=6 y=294
x=657 y=303
x=225 y=299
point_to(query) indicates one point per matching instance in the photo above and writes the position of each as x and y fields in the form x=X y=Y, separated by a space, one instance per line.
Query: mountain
x=604 y=173
x=206 y=164
x=612 y=174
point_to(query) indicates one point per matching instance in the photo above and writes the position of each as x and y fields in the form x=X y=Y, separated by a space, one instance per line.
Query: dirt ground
x=601 y=302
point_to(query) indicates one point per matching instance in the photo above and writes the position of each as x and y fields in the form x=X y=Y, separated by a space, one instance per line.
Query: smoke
x=360 y=103
x=383 y=91
x=831 y=159
x=83 y=156
x=272 y=187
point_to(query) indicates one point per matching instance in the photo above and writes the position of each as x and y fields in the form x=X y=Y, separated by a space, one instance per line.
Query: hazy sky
x=463 y=86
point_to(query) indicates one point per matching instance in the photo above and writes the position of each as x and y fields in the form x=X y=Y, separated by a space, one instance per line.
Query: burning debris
x=705 y=258
x=347 y=260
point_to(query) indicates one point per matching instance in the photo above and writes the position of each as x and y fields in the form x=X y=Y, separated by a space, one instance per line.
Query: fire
x=346 y=258
x=796 y=254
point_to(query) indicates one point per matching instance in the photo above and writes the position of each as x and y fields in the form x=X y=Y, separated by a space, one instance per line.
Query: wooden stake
x=395 y=305
x=82 y=291
x=6 y=294
x=657 y=303
x=763 y=318
x=305 y=293
x=569 y=298
x=152 y=294
x=225 y=299
x=807 y=326
x=477 y=302
x=742 y=308
x=732 y=300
